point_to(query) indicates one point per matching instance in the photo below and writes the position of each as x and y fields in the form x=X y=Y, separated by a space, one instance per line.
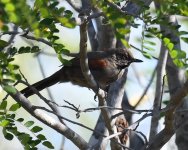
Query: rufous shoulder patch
x=98 y=63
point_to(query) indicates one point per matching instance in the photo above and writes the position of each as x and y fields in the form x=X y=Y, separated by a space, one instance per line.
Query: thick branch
x=50 y=121
x=168 y=131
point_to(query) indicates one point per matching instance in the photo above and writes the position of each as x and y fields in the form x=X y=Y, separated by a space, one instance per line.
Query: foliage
x=8 y=122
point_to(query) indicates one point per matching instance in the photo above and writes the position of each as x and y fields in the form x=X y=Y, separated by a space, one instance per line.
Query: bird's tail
x=47 y=82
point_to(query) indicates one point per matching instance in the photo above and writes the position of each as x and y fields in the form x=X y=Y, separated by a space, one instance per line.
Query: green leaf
x=3 y=105
x=162 y=114
x=4 y=123
x=178 y=54
x=68 y=13
x=20 y=119
x=147 y=55
x=125 y=43
x=9 y=89
x=185 y=39
x=41 y=137
x=149 y=48
x=34 y=143
x=58 y=48
x=53 y=5
x=166 y=41
x=183 y=32
x=149 y=35
x=29 y=123
x=9 y=7
x=166 y=102
x=170 y=46
x=11 y=116
x=3 y=44
x=14 y=107
x=67 y=22
x=2 y=117
x=36 y=129
x=48 y=144
x=46 y=21
x=123 y=31
x=35 y=49
x=5 y=28
x=24 y=50
x=24 y=138
x=12 y=129
x=178 y=63
x=44 y=12
x=150 y=42
x=18 y=77
x=8 y=136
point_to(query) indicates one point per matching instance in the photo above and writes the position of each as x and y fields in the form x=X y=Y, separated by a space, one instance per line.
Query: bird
x=105 y=66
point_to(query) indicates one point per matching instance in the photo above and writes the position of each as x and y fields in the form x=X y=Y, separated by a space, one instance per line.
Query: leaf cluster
x=9 y=123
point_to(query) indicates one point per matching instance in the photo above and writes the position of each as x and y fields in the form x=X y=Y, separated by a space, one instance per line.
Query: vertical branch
x=89 y=78
x=105 y=33
x=158 y=91
x=176 y=78
x=92 y=36
x=83 y=55
x=177 y=93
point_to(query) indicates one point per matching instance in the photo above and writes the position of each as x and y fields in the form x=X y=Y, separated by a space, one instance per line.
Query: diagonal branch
x=74 y=5
x=49 y=121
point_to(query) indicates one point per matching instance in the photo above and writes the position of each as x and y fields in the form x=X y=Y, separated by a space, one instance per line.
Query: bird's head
x=124 y=58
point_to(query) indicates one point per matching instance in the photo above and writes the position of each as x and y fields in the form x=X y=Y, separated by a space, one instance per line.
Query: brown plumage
x=105 y=66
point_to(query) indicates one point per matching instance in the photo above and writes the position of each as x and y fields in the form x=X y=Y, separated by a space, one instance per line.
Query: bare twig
x=64 y=118
x=53 y=107
x=146 y=89
x=73 y=5
x=37 y=39
x=116 y=7
x=142 y=51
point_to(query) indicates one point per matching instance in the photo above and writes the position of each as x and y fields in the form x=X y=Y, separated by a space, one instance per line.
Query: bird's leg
x=97 y=92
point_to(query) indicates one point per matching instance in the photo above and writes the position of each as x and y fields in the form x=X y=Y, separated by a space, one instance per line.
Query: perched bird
x=105 y=66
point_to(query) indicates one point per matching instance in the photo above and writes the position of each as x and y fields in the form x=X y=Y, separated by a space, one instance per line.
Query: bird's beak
x=137 y=60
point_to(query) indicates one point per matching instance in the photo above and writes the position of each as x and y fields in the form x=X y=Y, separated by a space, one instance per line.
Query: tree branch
x=50 y=121
x=168 y=131
x=73 y=5
x=158 y=91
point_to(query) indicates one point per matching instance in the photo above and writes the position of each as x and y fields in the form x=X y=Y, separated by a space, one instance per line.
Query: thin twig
x=73 y=5
x=36 y=39
x=142 y=51
x=64 y=118
x=116 y=7
x=146 y=89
